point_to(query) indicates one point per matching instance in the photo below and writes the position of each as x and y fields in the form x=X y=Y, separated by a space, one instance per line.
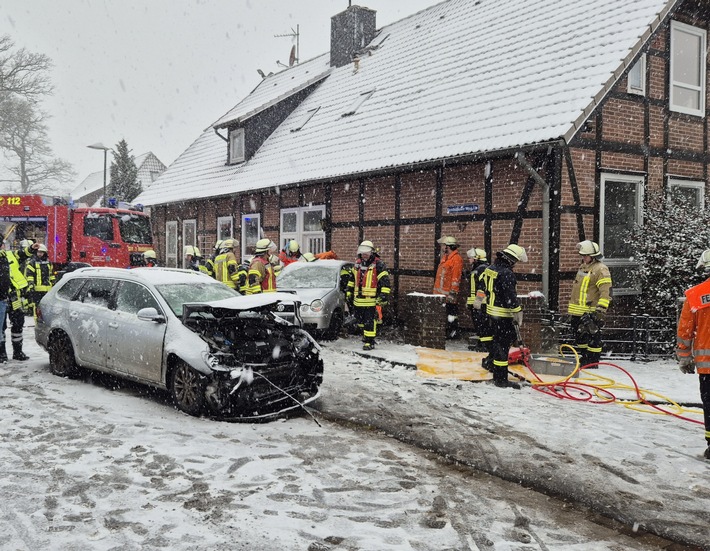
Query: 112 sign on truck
x=98 y=236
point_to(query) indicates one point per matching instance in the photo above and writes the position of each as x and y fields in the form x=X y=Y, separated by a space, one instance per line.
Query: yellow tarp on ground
x=466 y=366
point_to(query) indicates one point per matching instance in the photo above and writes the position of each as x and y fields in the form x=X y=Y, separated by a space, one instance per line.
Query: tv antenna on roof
x=293 y=56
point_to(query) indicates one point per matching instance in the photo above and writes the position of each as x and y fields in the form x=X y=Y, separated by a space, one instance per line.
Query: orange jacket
x=448 y=275
x=694 y=327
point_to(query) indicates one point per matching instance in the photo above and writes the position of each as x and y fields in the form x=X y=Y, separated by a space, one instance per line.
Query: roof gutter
x=626 y=64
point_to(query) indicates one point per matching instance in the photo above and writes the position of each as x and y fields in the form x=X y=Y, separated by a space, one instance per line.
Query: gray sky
x=157 y=72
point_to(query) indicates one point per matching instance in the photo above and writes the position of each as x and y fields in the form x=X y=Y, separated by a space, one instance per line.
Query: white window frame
x=171 y=244
x=640 y=181
x=251 y=218
x=188 y=227
x=305 y=118
x=678 y=27
x=222 y=222
x=236 y=146
x=309 y=241
x=696 y=184
x=638 y=67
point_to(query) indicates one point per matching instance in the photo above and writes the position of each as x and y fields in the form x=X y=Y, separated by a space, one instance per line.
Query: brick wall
x=424 y=320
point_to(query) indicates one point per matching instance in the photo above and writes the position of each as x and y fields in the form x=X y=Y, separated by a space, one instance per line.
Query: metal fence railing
x=633 y=337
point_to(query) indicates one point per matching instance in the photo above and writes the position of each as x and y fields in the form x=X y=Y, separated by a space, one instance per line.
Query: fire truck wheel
x=61 y=356
x=187 y=387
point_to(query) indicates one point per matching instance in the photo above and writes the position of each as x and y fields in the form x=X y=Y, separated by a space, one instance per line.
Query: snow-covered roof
x=456 y=79
x=95 y=180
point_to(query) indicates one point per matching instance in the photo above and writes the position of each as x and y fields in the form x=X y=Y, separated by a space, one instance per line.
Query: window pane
x=686 y=98
x=625 y=279
x=250 y=227
x=686 y=57
x=619 y=218
x=99 y=226
x=132 y=297
x=686 y=195
x=288 y=222
x=311 y=220
x=635 y=76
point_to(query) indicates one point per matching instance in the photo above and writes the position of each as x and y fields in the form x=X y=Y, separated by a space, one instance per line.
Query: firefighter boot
x=707 y=452
x=369 y=343
x=3 y=353
x=500 y=378
x=17 y=353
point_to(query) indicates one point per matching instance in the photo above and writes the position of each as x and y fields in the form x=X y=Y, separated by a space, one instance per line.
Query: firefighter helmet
x=309 y=257
x=515 y=253
x=192 y=250
x=477 y=254
x=365 y=247
x=42 y=248
x=293 y=246
x=26 y=243
x=588 y=248
x=218 y=245
x=149 y=254
x=262 y=246
x=448 y=240
x=227 y=244
x=704 y=260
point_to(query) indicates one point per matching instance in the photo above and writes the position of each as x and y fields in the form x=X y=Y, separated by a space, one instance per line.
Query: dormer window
x=362 y=98
x=236 y=145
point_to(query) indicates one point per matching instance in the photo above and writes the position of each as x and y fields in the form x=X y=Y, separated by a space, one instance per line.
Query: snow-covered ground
x=88 y=465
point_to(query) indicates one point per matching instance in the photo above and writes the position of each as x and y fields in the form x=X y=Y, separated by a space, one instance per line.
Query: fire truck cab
x=98 y=236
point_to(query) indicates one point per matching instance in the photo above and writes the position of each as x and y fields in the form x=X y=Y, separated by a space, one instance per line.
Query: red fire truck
x=97 y=236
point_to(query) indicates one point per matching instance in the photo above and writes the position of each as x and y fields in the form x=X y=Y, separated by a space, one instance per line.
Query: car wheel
x=187 y=387
x=62 y=361
x=336 y=325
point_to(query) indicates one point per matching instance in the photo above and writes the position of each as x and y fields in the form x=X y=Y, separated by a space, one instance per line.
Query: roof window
x=362 y=98
x=304 y=119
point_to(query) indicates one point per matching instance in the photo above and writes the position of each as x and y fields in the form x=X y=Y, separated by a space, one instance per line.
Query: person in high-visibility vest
x=693 y=344
x=226 y=268
x=367 y=288
x=194 y=260
x=476 y=301
x=589 y=302
x=262 y=278
x=504 y=312
x=13 y=287
x=39 y=273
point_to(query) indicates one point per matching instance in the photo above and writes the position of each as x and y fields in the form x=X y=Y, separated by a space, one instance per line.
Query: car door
x=89 y=317
x=135 y=346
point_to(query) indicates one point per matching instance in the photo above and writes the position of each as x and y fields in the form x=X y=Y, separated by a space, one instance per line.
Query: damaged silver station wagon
x=214 y=350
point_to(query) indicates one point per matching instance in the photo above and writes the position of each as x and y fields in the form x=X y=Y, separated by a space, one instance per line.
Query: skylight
x=304 y=119
x=362 y=98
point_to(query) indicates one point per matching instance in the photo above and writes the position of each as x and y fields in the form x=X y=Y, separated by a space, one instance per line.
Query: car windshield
x=310 y=276
x=177 y=294
x=135 y=229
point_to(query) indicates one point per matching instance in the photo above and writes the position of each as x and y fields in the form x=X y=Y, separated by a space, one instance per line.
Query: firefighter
x=275 y=259
x=693 y=345
x=39 y=273
x=589 y=302
x=503 y=309
x=290 y=253
x=261 y=272
x=150 y=259
x=226 y=267
x=13 y=287
x=476 y=302
x=448 y=281
x=194 y=261
x=209 y=263
x=368 y=287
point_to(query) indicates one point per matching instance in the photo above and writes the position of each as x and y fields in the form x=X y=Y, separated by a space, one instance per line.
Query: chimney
x=350 y=31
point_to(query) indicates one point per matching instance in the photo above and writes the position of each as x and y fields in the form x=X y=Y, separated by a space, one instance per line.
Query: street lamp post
x=105 y=149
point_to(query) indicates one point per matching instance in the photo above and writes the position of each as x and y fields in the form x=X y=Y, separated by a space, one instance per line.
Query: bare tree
x=23 y=73
x=23 y=137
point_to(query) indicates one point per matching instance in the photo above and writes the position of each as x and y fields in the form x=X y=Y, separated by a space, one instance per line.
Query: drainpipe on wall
x=522 y=161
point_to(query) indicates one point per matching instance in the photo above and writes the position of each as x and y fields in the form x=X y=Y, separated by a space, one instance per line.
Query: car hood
x=307 y=296
x=219 y=308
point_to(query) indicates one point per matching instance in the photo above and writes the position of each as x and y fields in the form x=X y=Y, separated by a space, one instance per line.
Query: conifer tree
x=124 y=185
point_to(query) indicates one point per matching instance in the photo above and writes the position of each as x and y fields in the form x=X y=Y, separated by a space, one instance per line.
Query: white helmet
x=309 y=257
x=588 y=248
x=515 y=253
x=704 y=260
x=192 y=250
x=218 y=245
x=42 y=248
x=293 y=246
x=150 y=253
x=448 y=240
x=365 y=247
x=262 y=246
x=477 y=254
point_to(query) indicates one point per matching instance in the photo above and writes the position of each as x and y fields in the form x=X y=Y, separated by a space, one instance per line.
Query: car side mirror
x=150 y=314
